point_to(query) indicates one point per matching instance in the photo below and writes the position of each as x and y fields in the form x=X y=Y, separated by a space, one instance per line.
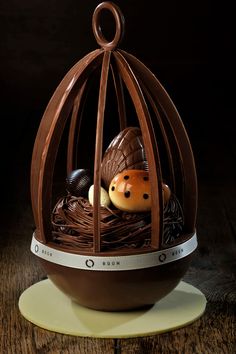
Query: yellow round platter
x=47 y=307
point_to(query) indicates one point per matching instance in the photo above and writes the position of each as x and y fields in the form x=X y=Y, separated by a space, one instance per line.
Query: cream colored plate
x=47 y=307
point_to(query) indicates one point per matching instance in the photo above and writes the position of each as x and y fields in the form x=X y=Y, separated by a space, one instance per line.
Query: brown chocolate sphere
x=78 y=182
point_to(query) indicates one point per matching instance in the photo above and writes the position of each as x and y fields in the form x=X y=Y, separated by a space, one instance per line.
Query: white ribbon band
x=114 y=263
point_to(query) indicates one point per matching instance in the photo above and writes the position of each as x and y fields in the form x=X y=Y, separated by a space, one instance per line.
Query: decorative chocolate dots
x=130 y=191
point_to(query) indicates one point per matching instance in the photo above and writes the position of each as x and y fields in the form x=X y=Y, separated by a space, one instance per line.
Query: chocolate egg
x=104 y=197
x=125 y=152
x=78 y=182
x=130 y=191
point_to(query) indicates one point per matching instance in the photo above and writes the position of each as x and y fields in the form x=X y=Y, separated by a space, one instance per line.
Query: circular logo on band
x=89 y=263
x=162 y=257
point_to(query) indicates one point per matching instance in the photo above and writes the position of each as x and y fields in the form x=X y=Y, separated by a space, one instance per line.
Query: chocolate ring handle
x=119 y=21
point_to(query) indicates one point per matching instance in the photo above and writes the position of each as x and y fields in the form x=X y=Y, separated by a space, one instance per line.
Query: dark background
x=187 y=44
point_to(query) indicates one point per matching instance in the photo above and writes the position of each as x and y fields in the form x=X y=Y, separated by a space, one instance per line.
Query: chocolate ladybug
x=130 y=191
x=78 y=182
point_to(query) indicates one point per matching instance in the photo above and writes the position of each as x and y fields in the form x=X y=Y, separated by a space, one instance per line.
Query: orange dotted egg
x=130 y=191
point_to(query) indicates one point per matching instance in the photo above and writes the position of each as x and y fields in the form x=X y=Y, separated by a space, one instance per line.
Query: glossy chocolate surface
x=78 y=182
x=120 y=290
x=144 y=92
x=72 y=221
x=125 y=152
x=158 y=120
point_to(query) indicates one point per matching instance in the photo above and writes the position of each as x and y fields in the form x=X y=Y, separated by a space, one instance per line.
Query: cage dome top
x=168 y=152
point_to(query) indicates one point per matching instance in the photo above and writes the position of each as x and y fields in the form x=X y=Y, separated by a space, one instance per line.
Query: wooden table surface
x=212 y=271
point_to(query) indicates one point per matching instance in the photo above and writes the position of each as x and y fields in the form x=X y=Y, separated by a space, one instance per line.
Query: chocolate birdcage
x=100 y=256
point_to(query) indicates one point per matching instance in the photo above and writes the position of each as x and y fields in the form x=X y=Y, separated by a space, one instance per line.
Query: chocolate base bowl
x=116 y=283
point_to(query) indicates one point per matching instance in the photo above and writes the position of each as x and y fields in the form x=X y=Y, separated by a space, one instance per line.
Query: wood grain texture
x=19 y=270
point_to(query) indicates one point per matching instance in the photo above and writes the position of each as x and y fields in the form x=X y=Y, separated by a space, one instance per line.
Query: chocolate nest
x=72 y=221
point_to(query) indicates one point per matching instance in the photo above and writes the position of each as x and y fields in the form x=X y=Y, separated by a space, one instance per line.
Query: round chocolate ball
x=78 y=182
x=130 y=191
